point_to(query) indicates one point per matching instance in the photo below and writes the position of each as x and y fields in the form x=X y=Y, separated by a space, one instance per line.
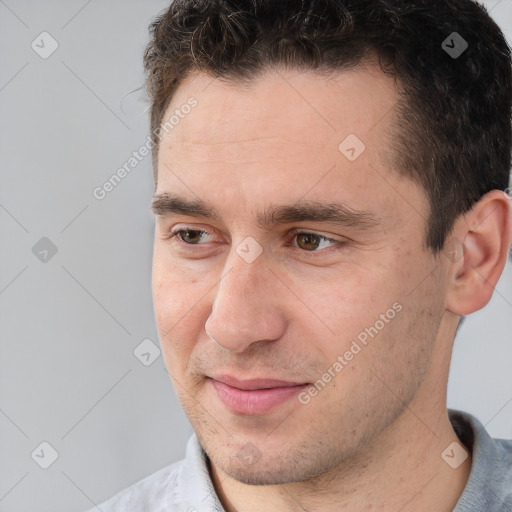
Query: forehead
x=310 y=105
x=286 y=133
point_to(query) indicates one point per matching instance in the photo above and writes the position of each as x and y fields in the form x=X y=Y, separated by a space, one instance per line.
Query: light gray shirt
x=185 y=486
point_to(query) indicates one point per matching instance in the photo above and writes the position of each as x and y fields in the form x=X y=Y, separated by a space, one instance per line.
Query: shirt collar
x=196 y=489
x=486 y=488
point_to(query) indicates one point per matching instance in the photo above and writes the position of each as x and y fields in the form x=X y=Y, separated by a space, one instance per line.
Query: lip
x=254 y=396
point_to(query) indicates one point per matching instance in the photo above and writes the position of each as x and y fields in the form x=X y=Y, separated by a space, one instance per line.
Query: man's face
x=289 y=295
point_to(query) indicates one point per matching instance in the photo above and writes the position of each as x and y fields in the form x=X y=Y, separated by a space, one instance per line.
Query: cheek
x=180 y=304
x=402 y=352
x=348 y=303
x=367 y=314
x=176 y=288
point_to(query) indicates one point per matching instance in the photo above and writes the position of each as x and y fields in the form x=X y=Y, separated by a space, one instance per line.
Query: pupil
x=309 y=240
x=190 y=238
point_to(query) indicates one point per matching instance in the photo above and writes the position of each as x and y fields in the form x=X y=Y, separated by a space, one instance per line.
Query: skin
x=372 y=438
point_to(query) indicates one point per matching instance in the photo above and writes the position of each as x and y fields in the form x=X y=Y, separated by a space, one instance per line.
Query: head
x=337 y=187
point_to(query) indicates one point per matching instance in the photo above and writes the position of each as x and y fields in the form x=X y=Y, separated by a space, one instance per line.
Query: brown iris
x=308 y=241
x=190 y=236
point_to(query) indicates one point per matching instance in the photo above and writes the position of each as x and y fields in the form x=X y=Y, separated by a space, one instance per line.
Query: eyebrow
x=273 y=215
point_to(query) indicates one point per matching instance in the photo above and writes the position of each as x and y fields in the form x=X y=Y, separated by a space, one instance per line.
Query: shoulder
x=489 y=486
x=154 y=493
x=504 y=460
x=183 y=486
x=498 y=477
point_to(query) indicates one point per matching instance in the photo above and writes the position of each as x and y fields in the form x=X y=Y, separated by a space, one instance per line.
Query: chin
x=276 y=466
x=263 y=474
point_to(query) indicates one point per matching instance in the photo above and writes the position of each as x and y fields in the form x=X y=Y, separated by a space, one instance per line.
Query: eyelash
x=174 y=234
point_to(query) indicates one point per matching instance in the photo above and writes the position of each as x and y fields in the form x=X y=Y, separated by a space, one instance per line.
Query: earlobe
x=483 y=235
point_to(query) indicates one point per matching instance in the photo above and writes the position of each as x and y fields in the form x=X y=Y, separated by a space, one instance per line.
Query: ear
x=478 y=249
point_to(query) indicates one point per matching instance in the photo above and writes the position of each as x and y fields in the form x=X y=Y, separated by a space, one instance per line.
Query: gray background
x=70 y=323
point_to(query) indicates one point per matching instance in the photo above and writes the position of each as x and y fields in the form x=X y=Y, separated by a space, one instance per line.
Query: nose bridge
x=242 y=310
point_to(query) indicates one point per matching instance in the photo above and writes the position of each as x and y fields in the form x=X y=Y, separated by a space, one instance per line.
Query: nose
x=246 y=307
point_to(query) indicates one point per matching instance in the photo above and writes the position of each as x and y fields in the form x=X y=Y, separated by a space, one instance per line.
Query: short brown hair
x=452 y=132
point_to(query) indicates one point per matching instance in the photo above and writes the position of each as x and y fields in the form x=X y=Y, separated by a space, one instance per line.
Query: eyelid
x=176 y=230
x=295 y=231
x=319 y=253
x=301 y=231
x=173 y=234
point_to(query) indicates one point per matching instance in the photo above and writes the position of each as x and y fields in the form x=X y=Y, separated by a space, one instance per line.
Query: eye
x=312 y=241
x=306 y=241
x=188 y=236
